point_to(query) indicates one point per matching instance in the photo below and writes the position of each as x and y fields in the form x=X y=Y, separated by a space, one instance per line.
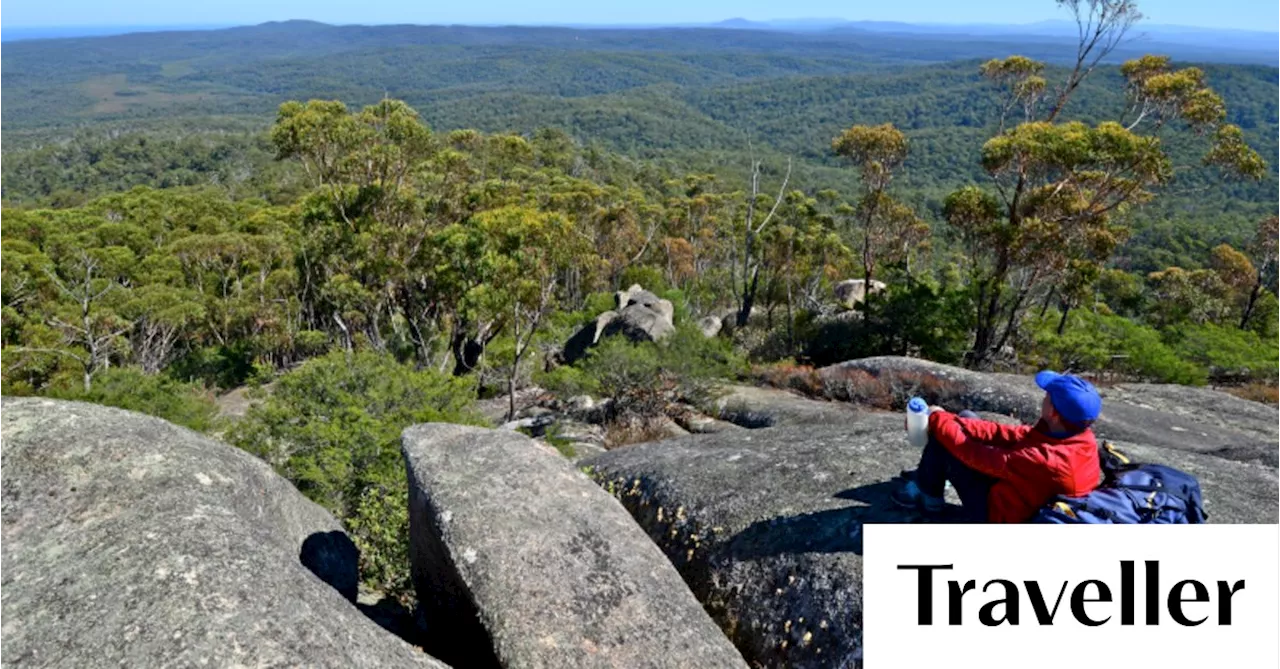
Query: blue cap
x=1073 y=398
x=917 y=405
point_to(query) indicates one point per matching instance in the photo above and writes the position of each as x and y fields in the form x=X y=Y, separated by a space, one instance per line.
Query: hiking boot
x=909 y=496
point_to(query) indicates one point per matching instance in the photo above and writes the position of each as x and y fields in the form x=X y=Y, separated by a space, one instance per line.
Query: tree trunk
x=985 y=330
x=1044 y=306
x=1062 y=322
x=749 y=298
x=791 y=321
x=511 y=390
x=1253 y=302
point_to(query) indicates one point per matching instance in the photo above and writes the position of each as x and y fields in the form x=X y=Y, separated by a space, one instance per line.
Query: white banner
x=1070 y=596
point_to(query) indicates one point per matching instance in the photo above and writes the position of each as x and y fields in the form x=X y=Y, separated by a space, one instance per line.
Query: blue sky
x=1243 y=14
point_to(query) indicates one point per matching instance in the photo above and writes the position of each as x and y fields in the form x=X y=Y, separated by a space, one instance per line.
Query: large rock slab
x=755 y=407
x=1174 y=417
x=766 y=525
x=514 y=550
x=1201 y=406
x=129 y=541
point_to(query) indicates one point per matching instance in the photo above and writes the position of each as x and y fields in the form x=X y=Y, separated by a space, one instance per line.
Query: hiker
x=1004 y=473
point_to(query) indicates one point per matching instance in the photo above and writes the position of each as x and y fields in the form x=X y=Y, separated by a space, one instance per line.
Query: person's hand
x=935 y=408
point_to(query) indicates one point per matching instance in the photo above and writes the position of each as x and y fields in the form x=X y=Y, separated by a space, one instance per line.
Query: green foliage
x=379 y=524
x=219 y=366
x=333 y=426
x=693 y=121
x=90 y=164
x=644 y=379
x=1122 y=293
x=913 y=318
x=1090 y=341
x=652 y=94
x=567 y=381
x=1226 y=354
x=129 y=388
x=651 y=278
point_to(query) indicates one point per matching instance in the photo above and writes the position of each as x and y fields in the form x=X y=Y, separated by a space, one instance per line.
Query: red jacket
x=1032 y=467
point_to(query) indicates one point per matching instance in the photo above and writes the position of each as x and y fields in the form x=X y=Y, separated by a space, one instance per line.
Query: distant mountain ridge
x=1157 y=35
x=20 y=33
x=699 y=98
x=1227 y=38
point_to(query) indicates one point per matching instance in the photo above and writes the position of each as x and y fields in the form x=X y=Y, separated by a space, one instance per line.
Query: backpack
x=1131 y=493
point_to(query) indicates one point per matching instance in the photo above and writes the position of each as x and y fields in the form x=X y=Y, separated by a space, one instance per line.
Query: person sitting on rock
x=1005 y=473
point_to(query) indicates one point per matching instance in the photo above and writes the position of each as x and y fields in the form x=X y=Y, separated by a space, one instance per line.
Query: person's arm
x=975 y=453
x=945 y=425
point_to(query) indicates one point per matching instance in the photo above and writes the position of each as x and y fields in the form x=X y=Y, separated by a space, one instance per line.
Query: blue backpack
x=1131 y=493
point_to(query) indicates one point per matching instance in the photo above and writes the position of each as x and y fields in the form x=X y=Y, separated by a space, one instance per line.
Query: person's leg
x=971 y=486
x=931 y=473
x=925 y=490
x=937 y=466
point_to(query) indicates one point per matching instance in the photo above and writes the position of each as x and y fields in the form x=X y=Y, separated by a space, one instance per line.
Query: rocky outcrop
x=851 y=292
x=495 y=409
x=1173 y=417
x=515 y=553
x=1200 y=406
x=639 y=315
x=766 y=525
x=637 y=296
x=128 y=541
x=755 y=407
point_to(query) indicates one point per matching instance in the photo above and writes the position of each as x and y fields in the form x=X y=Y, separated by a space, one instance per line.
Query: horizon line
x=632 y=24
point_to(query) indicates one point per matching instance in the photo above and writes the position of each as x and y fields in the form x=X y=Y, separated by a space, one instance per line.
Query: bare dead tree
x=1101 y=25
x=99 y=335
x=524 y=325
x=751 y=262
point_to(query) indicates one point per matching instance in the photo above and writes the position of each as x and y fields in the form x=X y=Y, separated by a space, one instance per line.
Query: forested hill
x=249 y=70
x=93 y=115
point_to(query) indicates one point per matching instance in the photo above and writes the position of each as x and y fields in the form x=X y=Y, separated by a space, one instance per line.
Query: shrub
x=800 y=378
x=219 y=366
x=333 y=426
x=1090 y=340
x=890 y=390
x=380 y=524
x=1225 y=353
x=643 y=379
x=1257 y=392
x=185 y=404
x=918 y=319
x=567 y=381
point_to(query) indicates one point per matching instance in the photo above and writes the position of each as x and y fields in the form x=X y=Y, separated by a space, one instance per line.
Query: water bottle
x=917 y=422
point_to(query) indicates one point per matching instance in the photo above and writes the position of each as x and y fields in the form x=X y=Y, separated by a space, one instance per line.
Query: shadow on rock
x=396 y=618
x=881 y=509
x=334 y=559
x=834 y=530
